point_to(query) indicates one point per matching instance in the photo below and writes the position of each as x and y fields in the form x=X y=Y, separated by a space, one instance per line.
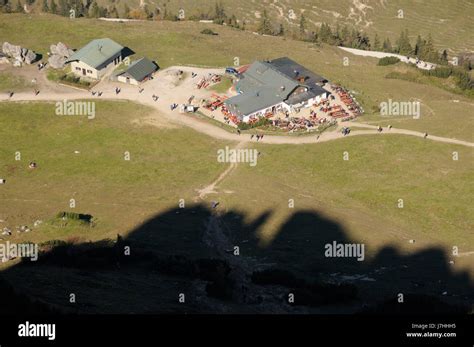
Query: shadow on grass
x=214 y=259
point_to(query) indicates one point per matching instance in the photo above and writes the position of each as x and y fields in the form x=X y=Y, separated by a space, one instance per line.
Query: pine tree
x=430 y=53
x=419 y=46
x=325 y=33
x=113 y=12
x=54 y=7
x=387 y=46
x=281 y=31
x=265 y=25
x=6 y=6
x=126 y=12
x=45 y=7
x=19 y=7
x=444 y=58
x=403 y=43
x=344 y=36
x=94 y=10
x=63 y=8
x=302 y=25
x=376 y=45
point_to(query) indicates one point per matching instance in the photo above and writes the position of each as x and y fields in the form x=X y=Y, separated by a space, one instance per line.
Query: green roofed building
x=138 y=72
x=96 y=58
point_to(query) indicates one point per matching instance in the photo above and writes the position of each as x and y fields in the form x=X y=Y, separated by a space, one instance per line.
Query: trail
x=210 y=189
x=169 y=94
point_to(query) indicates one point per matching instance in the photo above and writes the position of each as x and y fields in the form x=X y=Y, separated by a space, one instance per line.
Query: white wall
x=78 y=66
x=92 y=72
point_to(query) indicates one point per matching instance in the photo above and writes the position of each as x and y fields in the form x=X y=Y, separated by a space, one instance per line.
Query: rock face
x=20 y=54
x=60 y=53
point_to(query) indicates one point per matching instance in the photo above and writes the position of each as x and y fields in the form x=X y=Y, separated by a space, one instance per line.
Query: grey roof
x=97 y=52
x=268 y=83
x=263 y=74
x=253 y=101
x=288 y=67
x=140 y=69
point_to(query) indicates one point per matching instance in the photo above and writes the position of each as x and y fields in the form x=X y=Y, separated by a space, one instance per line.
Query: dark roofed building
x=139 y=71
x=270 y=86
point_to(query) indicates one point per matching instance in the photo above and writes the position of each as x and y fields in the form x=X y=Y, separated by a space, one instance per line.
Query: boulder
x=60 y=53
x=18 y=53
x=61 y=49
x=56 y=61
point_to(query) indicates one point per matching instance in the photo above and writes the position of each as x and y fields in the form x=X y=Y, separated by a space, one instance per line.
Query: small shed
x=138 y=72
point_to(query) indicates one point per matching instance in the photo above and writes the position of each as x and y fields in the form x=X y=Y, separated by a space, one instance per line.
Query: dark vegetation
x=388 y=61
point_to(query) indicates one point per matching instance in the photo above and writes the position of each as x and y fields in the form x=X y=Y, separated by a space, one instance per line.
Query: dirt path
x=170 y=93
x=210 y=189
x=376 y=54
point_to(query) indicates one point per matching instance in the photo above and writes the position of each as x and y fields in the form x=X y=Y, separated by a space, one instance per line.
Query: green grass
x=162 y=168
x=223 y=86
x=175 y=43
x=359 y=195
x=448 y=22
x=362 y=193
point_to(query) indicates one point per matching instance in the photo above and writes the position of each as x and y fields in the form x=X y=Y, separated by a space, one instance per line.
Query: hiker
x=140 y=90
x=261 y=136
x=389 y=127
x=93 y=93
x=10 y=94
x=251 y=137
x=32 y=165
x=37 y=91
x=99 y=94
x=426 y=135
x=238 y=131
x=379 y=129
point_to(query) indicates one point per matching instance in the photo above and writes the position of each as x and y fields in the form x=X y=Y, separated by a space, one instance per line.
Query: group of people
x=98 y=93
x=173 y=106
x=345 y=131
x=41 y=66
x=259 y=137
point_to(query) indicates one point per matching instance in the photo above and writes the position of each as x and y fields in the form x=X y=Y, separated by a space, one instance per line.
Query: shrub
x=208 y=32
x=72 y=216
x=261 y=122
x=388 y=61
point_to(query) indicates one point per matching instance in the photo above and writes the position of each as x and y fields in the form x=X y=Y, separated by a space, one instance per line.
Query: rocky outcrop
x=60 y=53
x=18 y=53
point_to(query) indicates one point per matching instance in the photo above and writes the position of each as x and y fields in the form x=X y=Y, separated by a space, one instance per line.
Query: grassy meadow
x=180 y=43
x=351 y=200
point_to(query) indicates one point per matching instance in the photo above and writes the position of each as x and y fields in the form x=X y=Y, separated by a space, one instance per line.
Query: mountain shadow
x=202 y=260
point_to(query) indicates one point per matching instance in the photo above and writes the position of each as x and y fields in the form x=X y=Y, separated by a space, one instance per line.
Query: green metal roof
x=97 y=52
x=140 y=69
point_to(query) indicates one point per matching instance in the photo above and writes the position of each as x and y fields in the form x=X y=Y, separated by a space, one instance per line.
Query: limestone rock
x=18 y=53
x=60 y=53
